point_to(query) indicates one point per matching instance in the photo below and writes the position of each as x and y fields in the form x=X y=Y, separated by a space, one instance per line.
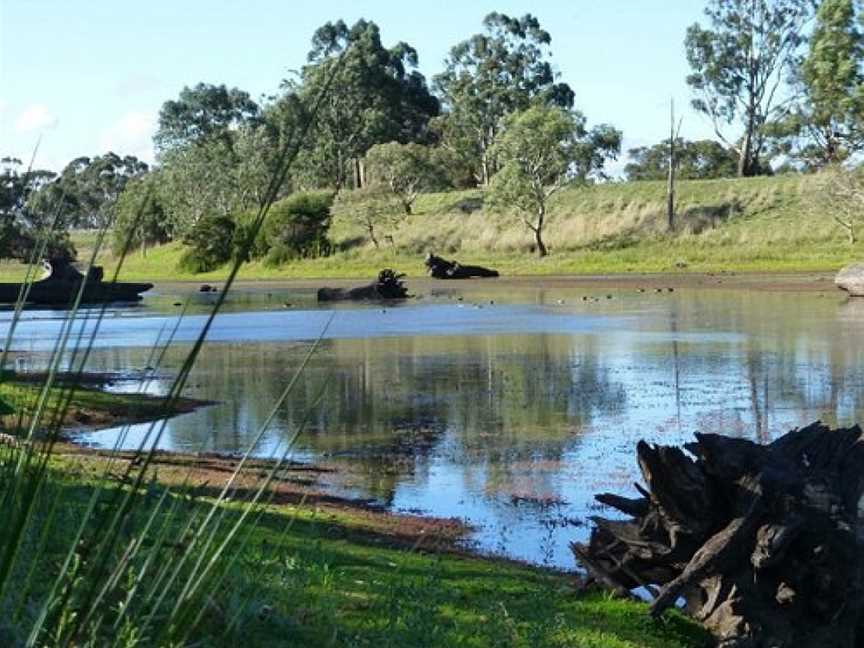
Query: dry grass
x=755 y=224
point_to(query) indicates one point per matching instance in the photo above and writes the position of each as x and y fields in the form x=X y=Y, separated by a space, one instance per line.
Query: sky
x=84 y=77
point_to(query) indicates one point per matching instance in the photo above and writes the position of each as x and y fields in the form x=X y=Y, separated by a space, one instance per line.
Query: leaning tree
x=739 y=64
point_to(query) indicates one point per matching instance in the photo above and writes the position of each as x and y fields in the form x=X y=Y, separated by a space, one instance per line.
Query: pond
x=507 y=406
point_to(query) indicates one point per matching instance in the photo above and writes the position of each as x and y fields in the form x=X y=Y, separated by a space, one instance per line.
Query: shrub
x=296 y=227
x=211 y=244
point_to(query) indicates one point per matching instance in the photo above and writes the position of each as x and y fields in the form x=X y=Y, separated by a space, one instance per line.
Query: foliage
x=739 y=63
x=840 y=194
x=23 y=230
x=374 y=209
x=211 y=244
x=201 y=113
x=221 y=176
x=700 y=160
x=490 y=75
x=407 y=169
x=381 y=98
x=296 y=227
x=540 y=149
x=824 y=125
x=86 y=191
x=141 y=220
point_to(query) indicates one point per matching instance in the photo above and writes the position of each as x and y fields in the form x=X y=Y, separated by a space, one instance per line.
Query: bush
x=211 y=244
x=297 y=226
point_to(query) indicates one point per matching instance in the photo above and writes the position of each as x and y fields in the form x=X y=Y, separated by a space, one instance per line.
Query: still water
x=507 y=408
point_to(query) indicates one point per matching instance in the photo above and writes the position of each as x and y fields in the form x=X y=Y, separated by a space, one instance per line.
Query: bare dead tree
x=673 y=163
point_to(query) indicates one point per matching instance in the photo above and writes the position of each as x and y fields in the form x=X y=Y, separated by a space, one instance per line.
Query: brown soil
x=298 y=484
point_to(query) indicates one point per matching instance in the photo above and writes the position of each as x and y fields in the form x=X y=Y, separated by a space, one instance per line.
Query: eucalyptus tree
x=88 y=189
x=542 y=150
x=699 y=160
x=502 y=70
x=739 y=64
x=203 y=112
x=19 y=227
x=218 y=176
x=380 y=97
x=826 y=125
x=142 y=220
x=406 y=169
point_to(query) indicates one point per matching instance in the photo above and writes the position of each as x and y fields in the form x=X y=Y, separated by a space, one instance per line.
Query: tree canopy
x=824 y=126
x=739 y=63
x=407 y=169
x=202 y=112
x=86 y=191
x=492 y=74
x=700 y=160
x=379 y=96
x=542 y=149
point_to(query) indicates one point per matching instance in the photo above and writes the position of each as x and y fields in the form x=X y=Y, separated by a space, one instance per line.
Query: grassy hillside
x=756 y=224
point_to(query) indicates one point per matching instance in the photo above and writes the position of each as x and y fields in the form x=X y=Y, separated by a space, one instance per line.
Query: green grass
x=753 y=224
x=88 y=406
x=307 y=578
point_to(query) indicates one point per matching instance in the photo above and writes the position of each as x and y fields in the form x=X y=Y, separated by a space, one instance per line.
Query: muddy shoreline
x=782 y=282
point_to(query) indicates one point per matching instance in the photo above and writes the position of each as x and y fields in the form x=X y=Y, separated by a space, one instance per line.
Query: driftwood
x=388 y=285
x=443 y=269
x=762 y=543
x=61 y=282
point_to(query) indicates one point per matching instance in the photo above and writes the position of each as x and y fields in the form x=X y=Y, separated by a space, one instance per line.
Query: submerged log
x=851 y=279
x=388 y=285
x=763 y=544
x=439 y=268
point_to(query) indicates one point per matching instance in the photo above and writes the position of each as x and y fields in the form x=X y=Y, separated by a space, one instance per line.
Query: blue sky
x=90 y=75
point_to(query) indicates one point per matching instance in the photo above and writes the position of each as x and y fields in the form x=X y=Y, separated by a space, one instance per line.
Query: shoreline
x=768 y=281
x=299 y=486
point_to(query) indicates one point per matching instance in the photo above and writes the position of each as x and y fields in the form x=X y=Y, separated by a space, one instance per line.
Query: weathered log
x=439 y=268
x=387 y=286
x=851 y=279
x=764 y=544
x=62 y=281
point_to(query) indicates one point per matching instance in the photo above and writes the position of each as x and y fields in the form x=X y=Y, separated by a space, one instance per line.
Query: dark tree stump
x=762 y=543
x=388 y=285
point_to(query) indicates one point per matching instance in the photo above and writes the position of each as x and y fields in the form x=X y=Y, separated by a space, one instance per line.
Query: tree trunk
x=358 y=174
x=538 y=233
x=763 y=542
x=371 y=230
x=745 y=164
x=670 y=187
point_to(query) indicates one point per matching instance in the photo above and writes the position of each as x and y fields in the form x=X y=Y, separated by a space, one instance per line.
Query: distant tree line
x=778 y=79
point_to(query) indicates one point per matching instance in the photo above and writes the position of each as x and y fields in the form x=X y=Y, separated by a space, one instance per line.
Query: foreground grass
x=306 y=578
x=321 y=575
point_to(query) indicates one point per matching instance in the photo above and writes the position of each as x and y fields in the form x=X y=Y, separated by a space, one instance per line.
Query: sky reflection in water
x=509 y=414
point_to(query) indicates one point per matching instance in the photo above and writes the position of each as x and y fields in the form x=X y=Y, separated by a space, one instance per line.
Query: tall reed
x=141 y=563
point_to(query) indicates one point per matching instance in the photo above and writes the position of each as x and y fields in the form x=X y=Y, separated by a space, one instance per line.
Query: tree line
x=778 y=79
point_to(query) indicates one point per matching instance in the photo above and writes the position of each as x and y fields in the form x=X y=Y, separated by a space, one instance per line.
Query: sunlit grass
x=308 y=577
x=749 y=225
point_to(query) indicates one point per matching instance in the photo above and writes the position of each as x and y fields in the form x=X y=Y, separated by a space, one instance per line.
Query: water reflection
x=515 y=425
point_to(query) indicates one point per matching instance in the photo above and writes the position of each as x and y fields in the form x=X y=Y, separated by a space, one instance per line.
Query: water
x=509 y=408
